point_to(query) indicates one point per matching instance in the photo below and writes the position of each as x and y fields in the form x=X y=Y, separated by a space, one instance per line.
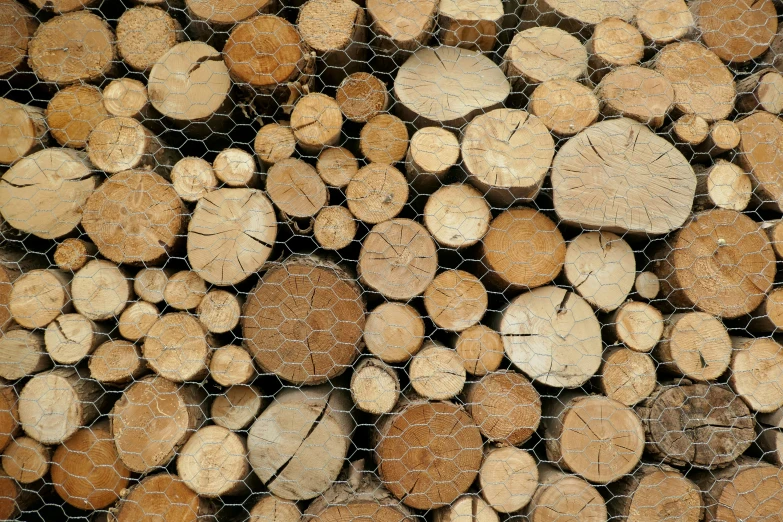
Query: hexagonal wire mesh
x=466 y=260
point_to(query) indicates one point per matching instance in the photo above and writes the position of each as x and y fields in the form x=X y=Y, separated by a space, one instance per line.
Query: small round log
x=185 y=290
x=457 y=216
x=377 y=193
x=337 y=166
x=375 y=387
x=213 y=462
x=22 y=353
x=193 y=178
x=231 y=365
x=564 y=106
x=274 y=142
x=647 y=285
x=655 y=493
x=177 y=348
x=23 y=128
x=316 y=122
x=117 y=144
x=150 y=283
x=723 y=185
x=72 y=254
x=137 y=319
x=436 y=372
x=481 y=349
x=116 y=363
x=73 y=113
x=100 y=290
x=296 y=189
x=362 y=96
x=72 y=337
x=455 y=300
x=662 y=22
x=394 y=332
x=614 y=43
x=756 y=366
x=508 y=478
x=219 y=311
x=334 y=227
x=694 y=345
x=237 y=407
x=641 y=94
x=38 y=297
x=235 y=168
x=144 y=35
x=163 y=496
x=384 y=139
x=627 y=376
x=639 y=326
x=543 y=53
x=26 y=460
x=432 y=153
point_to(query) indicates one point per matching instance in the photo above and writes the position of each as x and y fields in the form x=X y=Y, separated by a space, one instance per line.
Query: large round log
x=655 y=493
x=15 y=40
x=23 y=128
x=760 y=157
x=163 y=496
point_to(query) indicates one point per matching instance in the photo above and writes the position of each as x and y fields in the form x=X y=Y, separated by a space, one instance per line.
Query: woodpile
x=331 y=260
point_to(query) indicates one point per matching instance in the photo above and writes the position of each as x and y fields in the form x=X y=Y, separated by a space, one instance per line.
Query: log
x=768 y=317
x=523 y=249
x=505 y=406
x=213 y=462
x=316 y=122
x=624 y=158
x=116 y=363
x=100 y=290
x=469 y=505
x=377 y=193
x=62 y=6
x=480 y=348
x=761 y=91
x=736 y=31
x=576 y=17
x=375 y=386
x=72 y=337
x=771 y=443
x=212 y=20
x=150 y=283
x=274 y=142
x=226 y=255
x=723 y=185
x=601 y=267
x=128 y=98
x=384 y=139
x=177 y=348
x=741 y=264
x=334 y=227
x=6 y=287
x=700 y=425
x=15 y=41
x=444 y=467
x=702 y=84
x=613 y=44
x=14 y=499
x=694 y=345
x=724 y=136
x=117 y=144
x=231 y=365
x=664 y=22
x=774 y=55
x=23 y=128
x=137 y=319
x=9 y=415
x=539 y=54
x=508 y=478
x=432 y=153
x=296 y=189
x=270 y=508
x=626 y=376
x=219 y=311
x=399 y=27
x=755 y=372
x=361 y=96
x=337 y=166
x=760 y=158
x=144 y=35
x=552 y=336
x=318 y=426
x=38 y=297
x=638 y=93
x=455 y=300
x=397 y=259
x=564 y=496
x=73 y=113
x=86 y=470
x=59 y=180
x=424 y=77
x=55 y=404
x=564 y=106
x=59 y=53
x=654 y=493
x=163 y=496
x=637 y=325
x=193 y=178
x=457 y=216
x=26 y=460
x=394 y=332
x=688 y=132
x=647 y=285
x=236 y=168
x=237 y=407
x=304 y=321
x=436 y=372
x=185 y=290
x=72 y=254
x=22 y=353
x=470 y=26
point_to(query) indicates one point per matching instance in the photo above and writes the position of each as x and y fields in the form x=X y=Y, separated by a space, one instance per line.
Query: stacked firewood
x=336 y=260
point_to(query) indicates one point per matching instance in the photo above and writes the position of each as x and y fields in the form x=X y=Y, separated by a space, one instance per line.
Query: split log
x=137 y=319
x=647 y=285
x=14 y=499
x=304 y=321
x=274 y=142
x=664 y=22
x=193 y=178
x=469 y=25
x=480 y=348
x=73 y=113
x=296 y=189
x=756 y=371
x=723 y=185
x=601 y=267
x=469 y=506
x=22 y=353
x=153 y=419
x=761 y=91
x=274 y=509
x=237 y=407
x=177 y=348
x=523 y=249
x=377 y=193
x=639 y=326
x=59 y=180
x=702 y=425
x=384 y=139
x=613 y=44
x=38 y=297
x=55 y=404
x=119 y=143
x=231 y=235
x=219 y=311
x=508 y=478
x=86 y=470
x=576 y=17
x=455 y=300
x=318 y=426
x=116 y=363
x=654 y=493
x=150 y=283
x=375 y=387
x=163 y=496
x=564 y=106
x=362 y=96
x=702 y=84
x=26 y=460
x=627 y=376
x=400 y=27
x=72 y=337
x=231 y=365
x=457 y=216
x=72 y=254
x=622 y=157
x=432 y=153
x=185 y=290
x=397 y=259
x=59 y=53
x=694 y=345
x=334 y=227
x=235 y=168
x=144 y=35
x=735 y=252
x=100 y=290
x=23 y=128
x=724 y=136
x=316 y=122
x=9 y=415
x=436 y=372
x=394 y=332
x=688 y=132
x=507 y=154
x=760 y=157
x=736 y=31
x=213 y=462
x=564 y=496
x=768 y=317
x=15 y=40
x=425 y=77
x=212 y=20
x=446 y=465
x=542 y=53
x=337 y=166
x=552 y=335
x=638 y=93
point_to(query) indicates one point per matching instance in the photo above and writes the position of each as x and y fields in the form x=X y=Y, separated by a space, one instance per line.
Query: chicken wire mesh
x=395 y=260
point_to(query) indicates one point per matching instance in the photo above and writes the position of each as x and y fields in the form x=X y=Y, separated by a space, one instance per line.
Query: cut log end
x=508 y=478
x=433 y=152
x=334 y=228
x=177 y=348
x=231 y=365
x=565 y=106
x=219 y=311
x=436 y=372
x=73 y=113
x=481 y=349
x=237 y=407
x=116 y=363
x=639 y=326
x=377 y=193
x=375 y=387
x=222 y=453
x=337 y=166
x=394 y=332
x=457 y=216
x=455 y=300
x=627 y=376
x=362 y=96
x=695 y=345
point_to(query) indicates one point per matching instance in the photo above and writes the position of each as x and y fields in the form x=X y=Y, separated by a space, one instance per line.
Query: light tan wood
x=377 y=193
x=100 y=290
x=55 y=404
x=756 y=370
x=162 y=495
x=480 y=348
x=72 y=254
x=219 y=311
x=768 y=317
x=695 y=345
x=384 y=139
x=210 y=20
x=23 y=128
x=185 y=290
x=38 y=297
x=702 y=84
x=6 y=287
x=316 y=122
x=552 y=336
x=508 y=478
x=137 y=319
x=614 y=43
x=274 y=142
x=177 y=348
x=59 y=180
x=394 y=332
x=457 y=216
x=470 y=25
x=86 y=470
x=424 y=83
x=237 y=407
x=771 y=443
x=150 y=283
x=564 y=106
x=116 y=363
x=296 y=189
x=760 y=157
x=638 y=93
x=623 y=155
x=436 y=372
x=539 y=54
x=144 y=35
x=362 y=96
x=337 y=166
x=375 y=386
x=213 y=462
x=193 y=178
x=26 y=460
x=647 y=285
x=9 y=414
x=270 y=508
x=72 y=337
x=761 y=91
x=774 y=56
x=319 y=425
x=128 y=98
x=736 y=31
x=175 y=410
x=637 y=325
x=14 y=42
x=432 y=153
x=59 y=53
x=655 y=493
x=119 y=143
x=662 y=22
x=62 y=6
x=400 y=26
x=455 y=300
x=231 y=365
x=576 y=16
x=236 y=168
x=627 y=376
x=724 y=136
x=469 y=505
x=22 y=353
x=688 y=131
x=73 y=113
x=722 y=185
x=523 y=249
x=397 y=259
x=562 y=496
x=334 y=227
